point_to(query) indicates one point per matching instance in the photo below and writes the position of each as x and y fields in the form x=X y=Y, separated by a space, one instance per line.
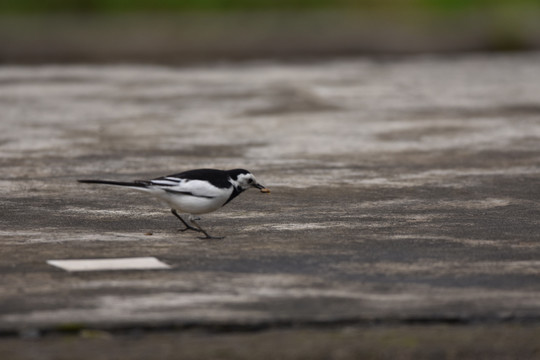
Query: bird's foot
x=193 y=220
x=189 y=228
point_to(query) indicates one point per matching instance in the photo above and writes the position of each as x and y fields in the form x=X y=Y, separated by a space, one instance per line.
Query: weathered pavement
x=402 y=190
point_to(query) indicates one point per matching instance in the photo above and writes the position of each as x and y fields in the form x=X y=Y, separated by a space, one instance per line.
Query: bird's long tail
x=133 y=184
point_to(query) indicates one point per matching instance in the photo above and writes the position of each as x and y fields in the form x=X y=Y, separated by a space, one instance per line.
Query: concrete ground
x=456 y=342
x=404 y=191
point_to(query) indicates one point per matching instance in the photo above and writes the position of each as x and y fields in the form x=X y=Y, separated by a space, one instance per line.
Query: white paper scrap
x=136 y=263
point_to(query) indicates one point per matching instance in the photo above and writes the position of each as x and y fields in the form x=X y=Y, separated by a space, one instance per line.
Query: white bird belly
x=192 y=204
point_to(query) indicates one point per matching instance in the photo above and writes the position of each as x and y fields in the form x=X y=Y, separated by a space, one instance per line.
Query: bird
x=193 y=192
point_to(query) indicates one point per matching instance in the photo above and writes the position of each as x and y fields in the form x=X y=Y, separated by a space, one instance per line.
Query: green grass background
x=107 y=6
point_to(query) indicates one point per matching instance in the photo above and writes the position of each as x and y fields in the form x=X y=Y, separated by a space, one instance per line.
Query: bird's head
x=244 y=180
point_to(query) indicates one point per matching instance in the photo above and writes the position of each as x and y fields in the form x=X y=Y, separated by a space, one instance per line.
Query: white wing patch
x=201 y=188
x=164 y=182
x=198 y=188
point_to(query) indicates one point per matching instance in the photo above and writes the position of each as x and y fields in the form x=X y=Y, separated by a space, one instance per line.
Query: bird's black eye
x=250 y=181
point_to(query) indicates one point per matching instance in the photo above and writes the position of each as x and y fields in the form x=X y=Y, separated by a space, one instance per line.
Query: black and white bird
x=194 y=192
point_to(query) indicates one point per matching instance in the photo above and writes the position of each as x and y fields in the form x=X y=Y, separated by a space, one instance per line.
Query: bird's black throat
x=236 y=191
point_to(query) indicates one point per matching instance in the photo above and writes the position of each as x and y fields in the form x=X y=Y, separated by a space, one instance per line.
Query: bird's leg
x=199 y=228
x=188 y=227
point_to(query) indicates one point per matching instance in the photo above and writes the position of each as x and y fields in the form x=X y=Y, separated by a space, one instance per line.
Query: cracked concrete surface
x=401 y=189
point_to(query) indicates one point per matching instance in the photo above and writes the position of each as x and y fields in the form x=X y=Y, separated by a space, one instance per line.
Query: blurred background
x=178 y=31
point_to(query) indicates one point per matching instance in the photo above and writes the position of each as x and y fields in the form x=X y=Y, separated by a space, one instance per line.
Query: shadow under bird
x=194 y=192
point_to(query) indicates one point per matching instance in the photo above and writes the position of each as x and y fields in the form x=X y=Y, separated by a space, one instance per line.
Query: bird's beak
x=262 y=188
